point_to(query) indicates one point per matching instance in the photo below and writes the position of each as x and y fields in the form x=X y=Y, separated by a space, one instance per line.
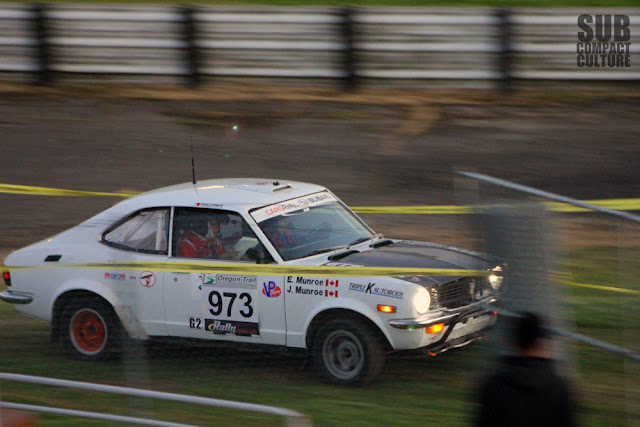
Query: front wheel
x=90 y=330
x=348 y=352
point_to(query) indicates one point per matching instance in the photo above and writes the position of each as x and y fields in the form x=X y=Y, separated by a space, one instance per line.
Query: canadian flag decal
x=330 y=291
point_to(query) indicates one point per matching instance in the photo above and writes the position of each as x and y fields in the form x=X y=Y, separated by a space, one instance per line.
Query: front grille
x=458 y=293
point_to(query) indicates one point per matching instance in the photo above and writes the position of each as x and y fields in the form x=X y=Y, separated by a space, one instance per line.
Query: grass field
x=411 y=391
x=422 y=3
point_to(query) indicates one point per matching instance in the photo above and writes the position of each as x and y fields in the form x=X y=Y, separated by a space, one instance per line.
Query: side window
x=145 y=231
x=211 y=234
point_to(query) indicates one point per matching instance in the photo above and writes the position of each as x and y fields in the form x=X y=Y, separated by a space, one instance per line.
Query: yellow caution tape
x=618 y=204
x=265 y=269
x=295 y=270
x=44 y=191
x=434 y=210
x=563 y=280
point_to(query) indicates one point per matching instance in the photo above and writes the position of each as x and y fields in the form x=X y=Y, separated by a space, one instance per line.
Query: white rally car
x=78 y=280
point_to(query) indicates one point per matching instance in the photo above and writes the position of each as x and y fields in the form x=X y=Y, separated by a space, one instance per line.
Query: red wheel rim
x=88 y=331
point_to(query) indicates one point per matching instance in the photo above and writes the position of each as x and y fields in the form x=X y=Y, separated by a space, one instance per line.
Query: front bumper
x=462 y=325
x=16 y=297
x=448 y=317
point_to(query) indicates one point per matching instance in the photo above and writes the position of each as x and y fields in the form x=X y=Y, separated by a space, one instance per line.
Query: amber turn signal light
x=434 y=329
x=387 y=308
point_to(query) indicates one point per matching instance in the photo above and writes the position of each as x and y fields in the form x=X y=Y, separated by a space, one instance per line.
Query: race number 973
x=223 y=304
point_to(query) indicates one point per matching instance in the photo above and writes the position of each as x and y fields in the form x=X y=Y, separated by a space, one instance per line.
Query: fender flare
x=347 y=304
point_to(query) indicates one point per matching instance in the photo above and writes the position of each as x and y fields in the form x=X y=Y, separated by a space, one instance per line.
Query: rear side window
x=145 y=231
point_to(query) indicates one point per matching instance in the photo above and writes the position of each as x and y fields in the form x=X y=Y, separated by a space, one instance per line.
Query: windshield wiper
x=344 y=254
x=335 y=248
x=323 y=250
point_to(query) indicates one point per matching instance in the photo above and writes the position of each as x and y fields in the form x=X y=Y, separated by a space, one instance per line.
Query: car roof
x=240 y=194
x=235 y=194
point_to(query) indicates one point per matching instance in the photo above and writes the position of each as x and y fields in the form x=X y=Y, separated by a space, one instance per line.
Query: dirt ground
x=371 y=147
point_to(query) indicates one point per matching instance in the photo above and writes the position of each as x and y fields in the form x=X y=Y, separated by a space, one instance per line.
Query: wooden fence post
x=191 y=54
x=504 y=60
x=348 y=55
x=44 y=75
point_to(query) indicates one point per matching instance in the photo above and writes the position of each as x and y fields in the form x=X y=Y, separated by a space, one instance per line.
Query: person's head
x=280 y=232
x=527 y=331
x=215 y=223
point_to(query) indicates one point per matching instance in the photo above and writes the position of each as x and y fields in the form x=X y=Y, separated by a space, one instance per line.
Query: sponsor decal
x=223 y=327
x=373 y=289
x=326 y=287
x=230 y=280
x=274 y=210
x=271 y=290
x=208 y=205
x=115 y=276
x=147 y=279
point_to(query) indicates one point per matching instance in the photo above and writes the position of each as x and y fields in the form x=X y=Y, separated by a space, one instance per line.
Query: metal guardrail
x=293 y=418
x=143 y=43
x=549 y=195
x=559 y=198
x=582 y=338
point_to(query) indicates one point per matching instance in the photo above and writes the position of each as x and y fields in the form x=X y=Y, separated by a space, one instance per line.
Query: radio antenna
x=193 y=167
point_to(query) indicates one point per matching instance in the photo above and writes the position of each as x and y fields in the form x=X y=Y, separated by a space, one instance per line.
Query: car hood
x=413 y=254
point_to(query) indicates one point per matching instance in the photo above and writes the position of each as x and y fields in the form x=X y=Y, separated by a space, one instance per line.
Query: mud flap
x=130 y=322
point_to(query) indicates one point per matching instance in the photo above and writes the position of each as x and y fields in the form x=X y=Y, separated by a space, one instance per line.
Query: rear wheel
x=90 y=330
x=348 y=352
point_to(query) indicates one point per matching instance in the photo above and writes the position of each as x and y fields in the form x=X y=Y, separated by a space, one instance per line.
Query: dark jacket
x=526 y=391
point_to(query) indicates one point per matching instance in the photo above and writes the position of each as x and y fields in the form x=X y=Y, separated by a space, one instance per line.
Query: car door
x=215 y=305
x=140 y=237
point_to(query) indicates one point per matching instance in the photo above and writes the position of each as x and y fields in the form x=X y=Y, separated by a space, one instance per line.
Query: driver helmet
x=214 y=225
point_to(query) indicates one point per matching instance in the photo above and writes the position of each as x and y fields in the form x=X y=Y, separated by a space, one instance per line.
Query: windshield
x=310 y=225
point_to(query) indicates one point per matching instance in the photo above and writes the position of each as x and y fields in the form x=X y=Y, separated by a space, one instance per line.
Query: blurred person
x=526 y=390
x=229 y=228
x=280 y=233
x=203 y=240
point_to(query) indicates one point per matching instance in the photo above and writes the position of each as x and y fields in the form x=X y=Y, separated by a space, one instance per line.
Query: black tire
x=348 y=352
x=90 y=330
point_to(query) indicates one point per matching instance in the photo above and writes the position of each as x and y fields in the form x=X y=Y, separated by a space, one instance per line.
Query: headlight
x=422 y=301
x=496 y=279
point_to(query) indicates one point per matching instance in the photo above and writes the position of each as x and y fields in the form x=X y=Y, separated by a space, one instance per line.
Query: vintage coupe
x=348 y=324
